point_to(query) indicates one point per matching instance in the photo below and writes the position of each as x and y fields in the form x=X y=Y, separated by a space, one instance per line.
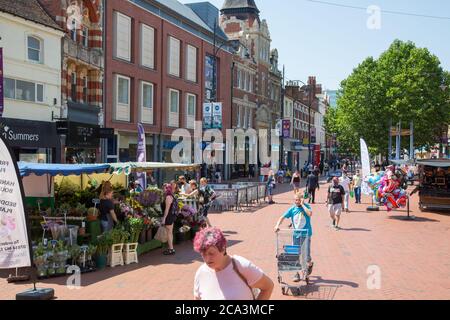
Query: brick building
x=256 y=77
x=158 y=58
x=81 y=76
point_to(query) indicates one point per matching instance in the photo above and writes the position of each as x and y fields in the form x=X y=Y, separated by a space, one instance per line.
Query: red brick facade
x=159 y=76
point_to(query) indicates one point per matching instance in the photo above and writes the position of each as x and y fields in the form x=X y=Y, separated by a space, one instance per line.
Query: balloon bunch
x=391 y=192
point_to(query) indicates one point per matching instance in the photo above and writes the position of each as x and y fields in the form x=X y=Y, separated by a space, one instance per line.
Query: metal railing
x=238 y=195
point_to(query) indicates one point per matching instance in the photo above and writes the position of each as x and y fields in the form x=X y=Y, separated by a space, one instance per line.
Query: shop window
x=23 y=90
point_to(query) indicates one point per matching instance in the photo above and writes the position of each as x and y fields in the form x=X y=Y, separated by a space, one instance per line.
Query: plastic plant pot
x=101 y=261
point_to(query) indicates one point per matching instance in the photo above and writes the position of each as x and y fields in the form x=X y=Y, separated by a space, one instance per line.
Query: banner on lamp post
x=15 y=250
x=141 y=155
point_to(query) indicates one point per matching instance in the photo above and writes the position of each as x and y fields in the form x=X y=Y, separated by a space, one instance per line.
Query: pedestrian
x=226 y=277
x=345 y=182
x=295 y=182
x=335 y=202
x=106 y=208
x=280 y=175
x=206 y=197
x=182 y=184
x=326 y=168
x=356 y=185
x=270 y=185
x=300 y=215
x=312 y=184
x=170 y=209
x=321 y=168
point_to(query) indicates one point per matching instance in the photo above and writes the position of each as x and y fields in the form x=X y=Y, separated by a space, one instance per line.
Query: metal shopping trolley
x=292 y=258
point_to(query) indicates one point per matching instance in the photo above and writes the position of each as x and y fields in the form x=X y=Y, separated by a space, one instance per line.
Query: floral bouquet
x=187 y=211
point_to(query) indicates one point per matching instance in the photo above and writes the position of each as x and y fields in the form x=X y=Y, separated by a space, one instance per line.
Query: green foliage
x=135 y=226
x=404 y=84
x=103 y=243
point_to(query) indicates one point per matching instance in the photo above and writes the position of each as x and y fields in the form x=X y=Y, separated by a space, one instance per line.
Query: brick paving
x=412 y=256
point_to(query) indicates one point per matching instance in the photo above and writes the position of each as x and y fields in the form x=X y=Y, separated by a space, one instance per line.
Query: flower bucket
x=101 y=261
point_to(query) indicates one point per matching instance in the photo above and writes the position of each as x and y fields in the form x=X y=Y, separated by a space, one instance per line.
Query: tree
x=403 y=84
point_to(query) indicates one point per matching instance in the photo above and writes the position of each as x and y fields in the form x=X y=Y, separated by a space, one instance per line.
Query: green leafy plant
x=103 y=243
x=135 y=227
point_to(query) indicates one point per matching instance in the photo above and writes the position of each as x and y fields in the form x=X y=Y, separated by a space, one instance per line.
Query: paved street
x=413 y=257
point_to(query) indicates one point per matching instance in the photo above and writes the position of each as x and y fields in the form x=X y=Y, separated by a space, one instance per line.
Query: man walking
x=312 y=184
x=335 y=202
x=345 y=182
x=357 y=183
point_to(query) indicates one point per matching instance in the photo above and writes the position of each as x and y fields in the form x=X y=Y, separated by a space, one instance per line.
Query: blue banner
x=141 y=155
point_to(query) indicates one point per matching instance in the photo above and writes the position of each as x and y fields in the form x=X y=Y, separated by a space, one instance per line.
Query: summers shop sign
x=24 y=133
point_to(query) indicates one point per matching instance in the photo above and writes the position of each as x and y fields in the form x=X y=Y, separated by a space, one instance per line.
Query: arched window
x=34 y=49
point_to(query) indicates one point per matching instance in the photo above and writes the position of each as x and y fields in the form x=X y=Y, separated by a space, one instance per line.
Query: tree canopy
x=405 y=83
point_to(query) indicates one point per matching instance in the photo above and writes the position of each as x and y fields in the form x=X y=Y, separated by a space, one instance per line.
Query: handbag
x=161 y=235
x=306 y=194
x=352 y=194
x=255 y=292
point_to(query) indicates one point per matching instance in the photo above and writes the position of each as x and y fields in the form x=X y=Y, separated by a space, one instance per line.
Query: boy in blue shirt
x=300 y=215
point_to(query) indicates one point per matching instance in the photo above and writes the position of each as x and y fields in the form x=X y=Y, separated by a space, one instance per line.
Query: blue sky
x=329 y=41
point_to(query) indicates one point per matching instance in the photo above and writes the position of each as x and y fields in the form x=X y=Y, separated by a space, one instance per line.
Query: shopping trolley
x=292 y=258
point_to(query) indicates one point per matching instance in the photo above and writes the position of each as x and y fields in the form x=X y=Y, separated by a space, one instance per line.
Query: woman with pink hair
x=225 y=277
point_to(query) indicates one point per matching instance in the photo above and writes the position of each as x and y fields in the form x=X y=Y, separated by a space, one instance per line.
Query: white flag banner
x=14 y=245
x=365 y=161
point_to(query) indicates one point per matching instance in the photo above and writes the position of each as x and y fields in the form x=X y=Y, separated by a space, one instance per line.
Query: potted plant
x=135 y=228
x=75 y=252
x=61 y=254
x=40 y=260
x=103 y=243
x=92 y=214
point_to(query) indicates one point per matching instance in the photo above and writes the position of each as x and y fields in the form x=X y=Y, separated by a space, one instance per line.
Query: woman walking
x=295 y=182
x=225 y=277
x=270 y=186
x=170 y=209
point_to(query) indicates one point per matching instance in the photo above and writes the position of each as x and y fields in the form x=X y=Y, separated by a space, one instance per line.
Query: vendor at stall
x=106 y=207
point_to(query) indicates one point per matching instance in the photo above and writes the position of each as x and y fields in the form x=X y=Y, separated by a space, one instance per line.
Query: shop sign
x=286 y=129
x=1 y=83
x=14 y=241
x=31 y=134
x=83 y=135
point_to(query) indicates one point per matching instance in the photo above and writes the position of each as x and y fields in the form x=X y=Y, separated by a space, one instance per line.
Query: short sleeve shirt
x=300 y=220
x=105 y=208
x=227 y=284
x=335 y=194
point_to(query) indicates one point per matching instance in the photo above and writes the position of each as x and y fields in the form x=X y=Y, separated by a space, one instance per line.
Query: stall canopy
x=129 y=167
x=434 y=163
x=41 y=169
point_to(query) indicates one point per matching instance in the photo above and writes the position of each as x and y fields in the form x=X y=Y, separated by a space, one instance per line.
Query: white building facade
x=32 y=83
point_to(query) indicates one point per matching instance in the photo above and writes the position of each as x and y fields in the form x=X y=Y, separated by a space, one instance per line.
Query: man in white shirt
x=345 y=182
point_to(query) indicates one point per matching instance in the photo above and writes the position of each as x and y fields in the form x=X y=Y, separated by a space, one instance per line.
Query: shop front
x=83 y=142
x=127 y=147
x=32 y=141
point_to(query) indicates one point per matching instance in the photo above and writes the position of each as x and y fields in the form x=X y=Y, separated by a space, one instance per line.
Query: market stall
x=66 y=229
x=434 y=188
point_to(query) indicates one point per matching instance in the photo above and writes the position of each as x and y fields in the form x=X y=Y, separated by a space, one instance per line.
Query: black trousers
x=312 y=195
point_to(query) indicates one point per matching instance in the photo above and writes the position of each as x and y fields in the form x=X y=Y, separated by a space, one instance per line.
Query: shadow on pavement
x=416 y=219
x=185 y=255
x=356 y=229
